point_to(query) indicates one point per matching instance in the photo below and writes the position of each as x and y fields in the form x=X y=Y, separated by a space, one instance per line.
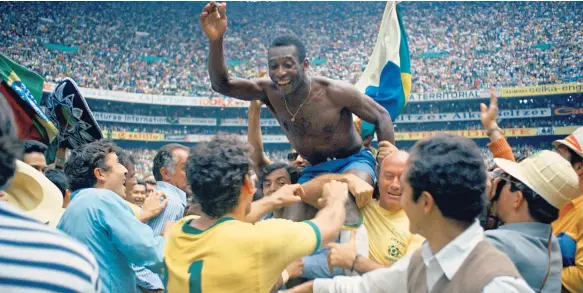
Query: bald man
x=385 y=221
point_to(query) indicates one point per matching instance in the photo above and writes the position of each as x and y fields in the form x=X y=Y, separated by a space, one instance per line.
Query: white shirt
x=447 y=261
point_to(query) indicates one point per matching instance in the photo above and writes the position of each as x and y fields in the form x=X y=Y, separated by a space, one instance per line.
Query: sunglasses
x=292 y=156
x=504 y=178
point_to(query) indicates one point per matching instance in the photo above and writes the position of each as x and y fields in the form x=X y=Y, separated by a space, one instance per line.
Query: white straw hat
x=574 y=141
x=35 y=194
x=548 y=174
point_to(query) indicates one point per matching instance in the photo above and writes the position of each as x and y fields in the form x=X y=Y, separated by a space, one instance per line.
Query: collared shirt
x=526 y=245
x=36 y=258
x=104 y=222
x=233 y=256
x=388 y=233
x=447 y=261
x=570 y=222
x=174 y=211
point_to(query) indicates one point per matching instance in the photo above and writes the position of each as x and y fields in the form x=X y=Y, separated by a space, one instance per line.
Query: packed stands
x=454 y=46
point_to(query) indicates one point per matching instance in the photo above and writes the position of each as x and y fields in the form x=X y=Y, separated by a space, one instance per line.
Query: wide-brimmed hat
x=68 y=110
x=574 y=141
x=546 y=173
x=35 y=194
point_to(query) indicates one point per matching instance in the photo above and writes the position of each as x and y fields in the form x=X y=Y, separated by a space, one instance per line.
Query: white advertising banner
x=157 y=120
x=449 y=96
x=468 y=116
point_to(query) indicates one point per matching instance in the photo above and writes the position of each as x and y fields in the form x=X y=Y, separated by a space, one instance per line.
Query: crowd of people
x=574 y=101
x=403 y=127
x=121 y=230
x=338 y=213
x=173 y=113
x=412 y=108
x=454 y=46
x=145 y=157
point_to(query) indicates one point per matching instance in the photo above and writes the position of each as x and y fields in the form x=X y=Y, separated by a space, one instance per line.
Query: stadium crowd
x=454 y=46
x=339 y=213
x=403 y=127
x=122 y=230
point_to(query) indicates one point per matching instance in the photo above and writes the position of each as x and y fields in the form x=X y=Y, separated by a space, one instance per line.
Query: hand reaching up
x=213 y=20
x=489 y=113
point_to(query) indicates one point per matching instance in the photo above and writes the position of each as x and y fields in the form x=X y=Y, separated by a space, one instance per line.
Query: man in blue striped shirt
x=170 y=174
x=35 y=258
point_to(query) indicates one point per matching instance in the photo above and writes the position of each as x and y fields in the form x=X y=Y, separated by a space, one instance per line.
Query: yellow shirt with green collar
x=234 y=256
x=570 y=222
x=388 y=234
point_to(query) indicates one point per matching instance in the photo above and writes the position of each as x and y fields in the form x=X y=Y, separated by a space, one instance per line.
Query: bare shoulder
x=339 y=90
x=264 y=83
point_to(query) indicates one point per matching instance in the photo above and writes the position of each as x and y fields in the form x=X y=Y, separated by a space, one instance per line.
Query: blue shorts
x=362 y=161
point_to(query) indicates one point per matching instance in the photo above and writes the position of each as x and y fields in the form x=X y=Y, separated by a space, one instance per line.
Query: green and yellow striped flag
x=387 y=77
x=25 y=89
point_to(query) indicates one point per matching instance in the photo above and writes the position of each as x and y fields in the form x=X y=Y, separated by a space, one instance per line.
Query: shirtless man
x=314 y=112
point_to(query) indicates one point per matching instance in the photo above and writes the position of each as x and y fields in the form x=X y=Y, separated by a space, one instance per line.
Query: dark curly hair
x=216 y=171
x=33 y=146
x=294 y=173
x=452 y=170
x=10 y=147
x=58 y=178
x=83 y=160
x=290 y=40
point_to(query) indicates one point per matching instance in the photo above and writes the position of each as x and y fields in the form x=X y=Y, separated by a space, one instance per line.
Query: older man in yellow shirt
x=385 y=221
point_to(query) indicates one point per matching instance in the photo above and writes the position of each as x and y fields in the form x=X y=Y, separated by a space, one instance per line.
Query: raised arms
x=213 y=21
x=260 y=160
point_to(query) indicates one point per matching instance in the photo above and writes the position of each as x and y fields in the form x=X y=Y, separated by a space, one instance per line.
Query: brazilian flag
x=387 y=77
x=23 y=89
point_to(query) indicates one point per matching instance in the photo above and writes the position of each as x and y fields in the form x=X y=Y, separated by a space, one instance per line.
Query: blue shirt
x=104 y=222
x=526 y=245
x=174 y=211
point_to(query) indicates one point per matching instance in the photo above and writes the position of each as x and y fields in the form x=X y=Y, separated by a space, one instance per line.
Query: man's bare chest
x=313 y=117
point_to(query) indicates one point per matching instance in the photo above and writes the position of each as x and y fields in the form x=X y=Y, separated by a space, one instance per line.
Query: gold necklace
x=293 y=116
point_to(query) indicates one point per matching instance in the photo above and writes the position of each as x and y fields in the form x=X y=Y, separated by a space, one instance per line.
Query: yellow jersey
x=234 y=256
x=389 y=238
x=136 y=209
x=570 y=222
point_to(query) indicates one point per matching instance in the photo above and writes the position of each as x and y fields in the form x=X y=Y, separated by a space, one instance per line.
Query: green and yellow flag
x=23 y=90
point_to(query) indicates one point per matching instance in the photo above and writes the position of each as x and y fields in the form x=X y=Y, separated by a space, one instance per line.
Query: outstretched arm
x=213 y=20
x=361 y=105
x=285 y=196
x=359 y=185
x=498 y=144
x=260 y=160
